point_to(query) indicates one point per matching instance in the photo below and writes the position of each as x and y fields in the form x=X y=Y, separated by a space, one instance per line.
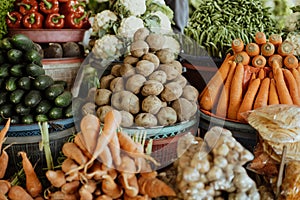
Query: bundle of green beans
x=215 y=23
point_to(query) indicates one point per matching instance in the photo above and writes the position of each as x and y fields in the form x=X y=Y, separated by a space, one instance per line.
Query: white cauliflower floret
x=103 y=20
x=160 y=2
x=129 y=26
x=109 y=47
x=134 y=7
x=165 y=23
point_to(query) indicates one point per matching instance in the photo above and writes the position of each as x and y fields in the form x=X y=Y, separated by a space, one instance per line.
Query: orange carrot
x=138 y=197
x=16 y=192
x=90 y=129
x=249 y=98
x=114 y=147
x=209 y=95
x=103 y=197
x=292 y=86
x=5 y=186
x=275 y=39
x=68 y=164
x=4 y=131
x=267 y=49
x=252 y=49
x=130 y=184
x=4 y=158
x=285 y=48
x=105 y=157
x=290 y=61
x=236 y=92
x=96 y=172
x=58 y=195
x=111 y=188
x=296 y=75
x=273 y=96
x=263 y=94
x=70 y=187
x=274 y=57
x=79 y=141
x=56 y=178
x=261 y=74
x=259 y=61
x=222 y=105
x=33 y=184
x=237 y=45
x=242 y=57
x=72 y=151
x=260 y=38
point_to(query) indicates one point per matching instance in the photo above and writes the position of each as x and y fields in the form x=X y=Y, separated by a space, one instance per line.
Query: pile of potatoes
x=148 y=87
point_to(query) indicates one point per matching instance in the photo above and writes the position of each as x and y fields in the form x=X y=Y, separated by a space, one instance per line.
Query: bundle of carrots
x=105 y=163
x=256 y=74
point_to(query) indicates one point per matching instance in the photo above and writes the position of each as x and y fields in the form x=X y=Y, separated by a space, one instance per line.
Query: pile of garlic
x=213 y=168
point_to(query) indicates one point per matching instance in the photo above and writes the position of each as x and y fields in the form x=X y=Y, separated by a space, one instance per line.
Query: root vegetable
x=242 y=57
x=85 y=194
x=117 y=84
x=252 y=49
x=237 y=45
x=115 y=69
x=267 y=49
x=103 y=197
x=127 y=119
x=158 y=75
x=152 y=58
x=134 y=83
x=88 y=108
x=167 y=116
x=273 y=96
x=138 y=48
x=58 y=195
x=141 y=34
x=144 y=67
x=4 y=163
x=79 y=141
x=171 y=72
x=260 y=38
x=68 y=164
x=171 y=92
x=261 y=99
x=130 y=184
x=145 y=120
x=4 y=131
x=102 y=97
x=130 y=60
x=151 y=104
x=152 y=87
x=102 y=111
x=155 y=41
x=292 y=85
x=190 y=93
x=290 y=61
x=125 y=100
x=56 y=178
x=165 y=55
x=72 y=151
x=70 y=187
x=127 y=70
x=90 y=129
x=4 y=186
x=17 y=192
x=184 y=109
x=111 y=188
x=105 y=81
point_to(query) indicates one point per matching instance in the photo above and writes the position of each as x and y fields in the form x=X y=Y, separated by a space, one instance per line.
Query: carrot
x=259 y=61
x=275 y=39
x=237 y=45
x=110 y=171
x=59 y=195
x=292 y=86
x=290 y=61
x=90 y=129
x=138 y=197
x=285 y=48
x=72 y=151
x=33 y=184
x=296 y=75
x=106 y=157
x=79 y=141
x=111 y=188
x=267 y=49
x=209 y=95
x=282 y=90
x=252 y=49
x=276 y=57
x=242 y=57
x=130 y=184
x=114 y=147
x=16 y=192
x=236 y=92
x=249 y=98
x=273 y=96
x=70 y=187
x=56 y=178
x=103 y=197
x=260 y=38
x=222 y=105
x=153 y=187
x=263 y=94
x=4 y=186
x=68 y=164
x=4 y=131
x=261 y=74
x=4 y=163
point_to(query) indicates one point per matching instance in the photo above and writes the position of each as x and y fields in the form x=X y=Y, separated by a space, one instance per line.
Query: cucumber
x=7 y=110
x=14 y=56
x=11 y=83
x=2 y=58
x=33 y=56
x=34 y=70
x=15 y=119
x=17 y=70
x=68 y=111
x=55 y=113
x=16 y=96
x=6 y=44
x=21 y=42
x=64 y=83
x=53 y=91
x=3 y=97
x=32 y=98
x=64 y=99
x=41 y=118
x=4 y=70
x=27 y=119
x=24 y=83
x=42 y=82
x=43 y=107
x=21 y=109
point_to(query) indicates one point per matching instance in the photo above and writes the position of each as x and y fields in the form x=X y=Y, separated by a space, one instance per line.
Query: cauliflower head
x=129 y=26
x=164 y=24
x=104 y=20
x=127 y=8
x=109 y=47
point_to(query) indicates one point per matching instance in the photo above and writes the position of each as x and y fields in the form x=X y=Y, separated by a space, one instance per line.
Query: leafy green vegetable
x=153 y=6
x=5 y=6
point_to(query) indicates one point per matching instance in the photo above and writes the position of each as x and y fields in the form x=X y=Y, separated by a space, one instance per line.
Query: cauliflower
x=109 y=47
x=164 y=22
x=130 y=7
x=162 y=2
x=129 y=26
x=104 y=20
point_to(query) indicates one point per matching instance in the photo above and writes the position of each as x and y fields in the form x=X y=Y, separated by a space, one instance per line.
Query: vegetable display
x=28 y=95
x=270 y=76
x=5 y=6
x=214 y=24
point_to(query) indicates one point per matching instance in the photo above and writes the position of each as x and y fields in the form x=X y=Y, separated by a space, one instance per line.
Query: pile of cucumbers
x=27 y=94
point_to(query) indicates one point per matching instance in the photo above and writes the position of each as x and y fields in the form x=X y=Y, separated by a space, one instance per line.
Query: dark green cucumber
x=41 y=118
x=64 y=83
x=68 y=111
x=21 y=42
x=21 y=109
x=11 y=83
x=64 y=99
x=32 y=98
x=43 y=107
x=4 y=70
x=24 y=83
x=42 y=82
x=17 y=70
x=53 y=91
x=7 y=110
x=6 y=44
x=2 y=58
x=15 y=119
x=16 y=96
x=33 y=56
x=15 y=56
x=27 y=119
x=55 y=113
x=34 y=70
x=3 y=97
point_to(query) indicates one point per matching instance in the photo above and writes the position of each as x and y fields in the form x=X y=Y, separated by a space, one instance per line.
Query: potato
x=91 y=94
x=125 y=100
x=117 y=84
x=141 y=34
x=176 y=65
x=171 y=72
x=139 y=48
x=144 y=67
x=115 y=70
x=145 y=120
x=190 y=93
x=135 y=83
x=155 y=41
x=102 y=111
x=130 y=60
x=165 y=55
x=181 y=80
x=105 y=81
x=102 y=97
x=127 y=70
x=184 y=109
x=151 y=104
x=127 y=119
x=172 y=44
x=166 y=116
x=88 y=108
x=152 y=87
x=152 y=58
x=158 y=75
x=171 y=92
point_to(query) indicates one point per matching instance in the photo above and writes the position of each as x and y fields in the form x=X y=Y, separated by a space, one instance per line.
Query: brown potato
x=141 y=34
x=105 y=81
x=115 y=70
x=144 y=67
x=155 y=41
x=181 y=80
x=169 y=70
x=91 y=94
x=165 y=56
x=190 y=93
x=184 y=109
x=145 y=120
x=102 y=111
x=171 y=92
x=131 y=60
x=139 y=48
x=117 y=84
x=151 y=104
x=102 y=97
x=152 y=87
x=125 y=100
x=176 y=65
x=88 y=108
x=127 y=70
x=166 y=116
x=158 y=75
x=127 y=119
x=134 y=83
x=152 y=58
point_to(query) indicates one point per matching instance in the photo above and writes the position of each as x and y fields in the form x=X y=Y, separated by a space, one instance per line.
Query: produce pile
x=48 y=14
x=264 y=72
x=27 y=94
